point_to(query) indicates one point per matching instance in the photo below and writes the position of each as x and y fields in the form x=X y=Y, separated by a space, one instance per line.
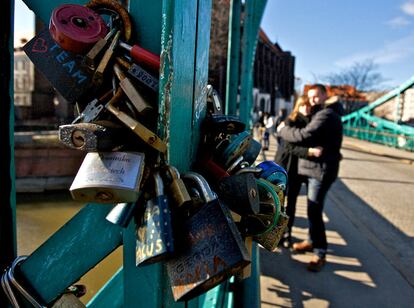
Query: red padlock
x=76 y=28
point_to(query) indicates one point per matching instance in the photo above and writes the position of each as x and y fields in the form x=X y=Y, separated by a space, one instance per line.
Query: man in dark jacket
x=324 y=130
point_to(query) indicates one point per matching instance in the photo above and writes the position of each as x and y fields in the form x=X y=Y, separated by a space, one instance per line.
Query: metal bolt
x=152 y=139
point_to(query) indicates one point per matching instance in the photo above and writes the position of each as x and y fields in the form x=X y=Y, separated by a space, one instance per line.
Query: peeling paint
x=166 y=68
x=199 y=104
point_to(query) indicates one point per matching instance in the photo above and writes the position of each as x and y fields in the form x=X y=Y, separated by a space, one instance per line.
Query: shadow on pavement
x=358 y=273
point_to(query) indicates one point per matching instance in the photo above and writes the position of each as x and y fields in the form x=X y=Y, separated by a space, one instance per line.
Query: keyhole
x=78 y=138
x=79 y=22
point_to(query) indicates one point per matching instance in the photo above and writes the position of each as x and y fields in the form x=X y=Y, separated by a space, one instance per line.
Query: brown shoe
x=302 y=247
x=316 y=264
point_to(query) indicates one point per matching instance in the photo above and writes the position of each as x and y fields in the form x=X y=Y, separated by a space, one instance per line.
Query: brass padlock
x=140 y=104
x=271 y=239
x=177 y=188
x=209 y=248
x=140 y=130
x=109 y=177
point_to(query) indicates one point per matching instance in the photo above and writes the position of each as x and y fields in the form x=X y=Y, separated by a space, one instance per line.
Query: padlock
x=91 y=137
x=98 y=75
x=92 y=55
x=63 y=69
x=109 y=177
x=176 y=188
x=269 y=210
x=140 y=130
x=225 y=124
x=235 y=149
x=154 y=230
x=240 y=193
x=252 y=152
x=76 y=28
x=140 y=104
x=276 y=175
x=270 y=239
x=68 y=300
x=209 y=249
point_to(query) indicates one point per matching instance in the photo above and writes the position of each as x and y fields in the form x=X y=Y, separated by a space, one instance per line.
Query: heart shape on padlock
x=39 y=45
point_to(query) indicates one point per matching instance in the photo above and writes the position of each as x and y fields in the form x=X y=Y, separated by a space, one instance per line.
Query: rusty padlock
x=109 y=177
x=140 y=104
x=209 y=248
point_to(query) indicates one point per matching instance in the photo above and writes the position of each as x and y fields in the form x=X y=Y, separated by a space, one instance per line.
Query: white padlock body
x=109 y=177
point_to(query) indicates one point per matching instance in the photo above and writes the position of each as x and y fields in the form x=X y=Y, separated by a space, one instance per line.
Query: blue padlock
x=274 y=173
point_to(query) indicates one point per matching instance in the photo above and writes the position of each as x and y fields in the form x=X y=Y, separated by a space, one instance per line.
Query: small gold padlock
x=271 y=239
x=109 y=177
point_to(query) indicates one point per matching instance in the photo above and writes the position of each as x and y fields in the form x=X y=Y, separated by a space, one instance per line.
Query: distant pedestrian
x=325 y=130
x=268 y=127
x=279 y=119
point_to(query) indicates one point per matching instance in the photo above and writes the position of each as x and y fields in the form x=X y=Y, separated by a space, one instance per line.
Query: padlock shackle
x=119 y=9
x=158 y=184
x=254 y=170
x=202 y=185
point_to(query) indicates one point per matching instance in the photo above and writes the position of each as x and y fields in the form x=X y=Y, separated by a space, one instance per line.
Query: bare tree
x=362 y=75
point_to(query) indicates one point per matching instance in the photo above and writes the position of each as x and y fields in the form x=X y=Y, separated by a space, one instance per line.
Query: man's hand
x=281 y=125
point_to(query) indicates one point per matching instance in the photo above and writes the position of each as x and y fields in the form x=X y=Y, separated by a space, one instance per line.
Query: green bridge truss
x=362 y=124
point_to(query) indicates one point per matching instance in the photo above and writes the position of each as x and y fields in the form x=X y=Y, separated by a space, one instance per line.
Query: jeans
x=317 y=191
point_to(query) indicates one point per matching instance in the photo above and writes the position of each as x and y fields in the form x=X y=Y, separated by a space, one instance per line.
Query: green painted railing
x=363 y=125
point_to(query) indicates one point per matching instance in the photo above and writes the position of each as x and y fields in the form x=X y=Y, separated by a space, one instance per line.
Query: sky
x=326 y=36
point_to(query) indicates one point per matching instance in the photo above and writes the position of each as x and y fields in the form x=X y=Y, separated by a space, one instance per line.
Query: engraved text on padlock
x=109 y=177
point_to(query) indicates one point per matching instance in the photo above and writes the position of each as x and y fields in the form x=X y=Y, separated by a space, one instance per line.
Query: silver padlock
x=109 y=177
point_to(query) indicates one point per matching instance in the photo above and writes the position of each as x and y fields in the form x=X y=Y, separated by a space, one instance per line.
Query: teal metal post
x=185 y=28
x=247 y=293
x=233 y=57
x=252 y=16
x=8 y=195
